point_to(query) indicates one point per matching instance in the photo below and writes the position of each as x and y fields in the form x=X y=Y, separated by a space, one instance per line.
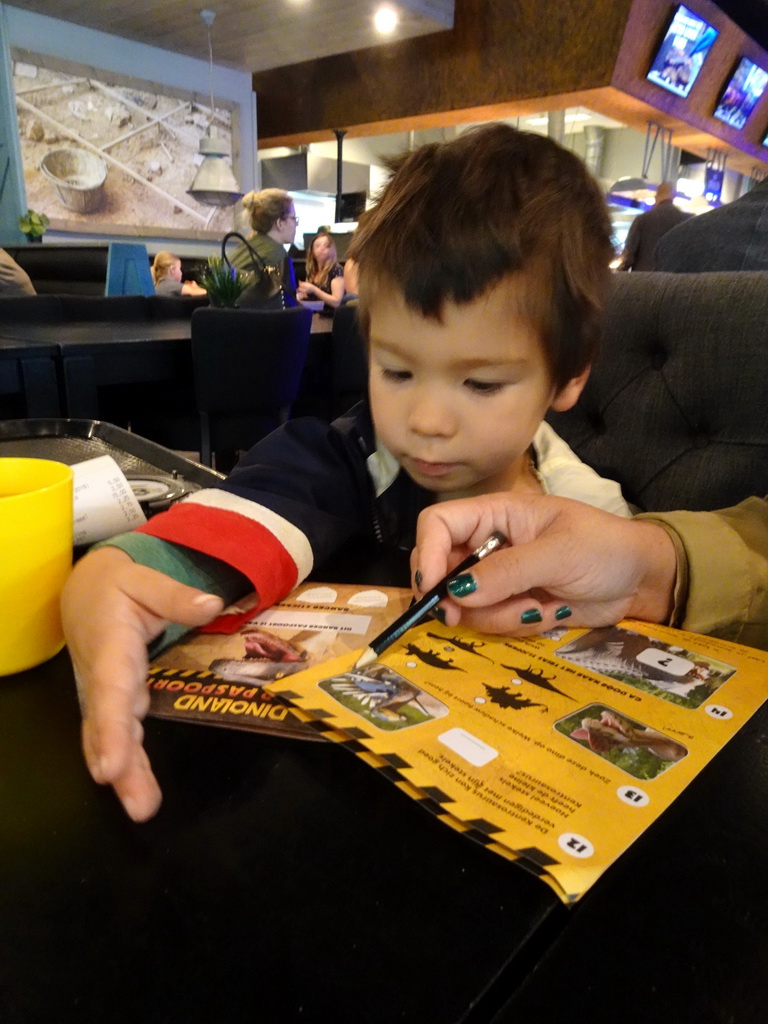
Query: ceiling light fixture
x=385 y=20
x=214 y=183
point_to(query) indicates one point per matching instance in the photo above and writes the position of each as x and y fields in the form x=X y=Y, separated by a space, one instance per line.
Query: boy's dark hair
x=456 y=218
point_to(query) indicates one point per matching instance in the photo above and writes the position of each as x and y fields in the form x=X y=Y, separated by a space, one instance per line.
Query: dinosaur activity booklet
x=557 y=751
x=217 y=675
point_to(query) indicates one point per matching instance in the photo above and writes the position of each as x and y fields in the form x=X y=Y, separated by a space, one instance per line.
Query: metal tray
x=158 y=475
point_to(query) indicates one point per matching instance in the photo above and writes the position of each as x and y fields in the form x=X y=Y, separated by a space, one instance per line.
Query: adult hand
x=111 y=609
x=567 y=564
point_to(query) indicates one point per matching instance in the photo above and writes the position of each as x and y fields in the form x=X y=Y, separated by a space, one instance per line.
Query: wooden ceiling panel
x=252 y=35
x=498 y=53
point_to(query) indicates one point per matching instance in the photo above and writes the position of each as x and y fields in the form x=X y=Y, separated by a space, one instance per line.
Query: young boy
x=482 y=273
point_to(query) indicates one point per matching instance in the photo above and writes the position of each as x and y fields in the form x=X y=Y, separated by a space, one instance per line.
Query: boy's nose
x=431 y=415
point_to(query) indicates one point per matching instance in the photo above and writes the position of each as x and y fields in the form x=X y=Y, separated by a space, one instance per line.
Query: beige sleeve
x=722 y=558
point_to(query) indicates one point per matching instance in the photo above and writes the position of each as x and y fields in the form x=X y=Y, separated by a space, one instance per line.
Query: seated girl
x=166 y=274
x=325 y=275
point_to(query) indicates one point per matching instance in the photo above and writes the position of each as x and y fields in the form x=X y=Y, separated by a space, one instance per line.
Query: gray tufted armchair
x=676 y=407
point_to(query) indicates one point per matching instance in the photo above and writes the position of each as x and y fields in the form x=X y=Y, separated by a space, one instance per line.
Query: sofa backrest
x=676 y=406
x=61 y=269
x=26 y=309
x=64 y=269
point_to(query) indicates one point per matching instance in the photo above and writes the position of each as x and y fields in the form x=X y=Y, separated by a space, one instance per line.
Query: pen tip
x=366 y=658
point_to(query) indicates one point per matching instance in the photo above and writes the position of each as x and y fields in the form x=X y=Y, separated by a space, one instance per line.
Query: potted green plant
x=223 y=282
x=33 y=225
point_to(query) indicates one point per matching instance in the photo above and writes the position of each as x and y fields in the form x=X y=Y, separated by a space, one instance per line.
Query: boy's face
x=458 y=402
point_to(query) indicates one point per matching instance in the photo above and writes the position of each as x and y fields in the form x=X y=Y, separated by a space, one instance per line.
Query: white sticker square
x=470 y=747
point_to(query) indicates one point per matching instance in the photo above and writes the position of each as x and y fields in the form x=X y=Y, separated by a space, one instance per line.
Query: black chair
x=247 y=367
x=349 y=371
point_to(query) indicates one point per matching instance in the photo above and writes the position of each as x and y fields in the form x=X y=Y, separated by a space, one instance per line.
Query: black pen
x=423 y=606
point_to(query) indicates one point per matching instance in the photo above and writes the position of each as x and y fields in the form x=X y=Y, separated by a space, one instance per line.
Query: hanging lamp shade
x=628 y=186
x=214 y=183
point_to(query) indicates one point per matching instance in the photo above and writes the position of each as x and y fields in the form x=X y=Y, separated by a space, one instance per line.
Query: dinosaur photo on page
x=637 y=749
x=384 y=698
x=681 y=676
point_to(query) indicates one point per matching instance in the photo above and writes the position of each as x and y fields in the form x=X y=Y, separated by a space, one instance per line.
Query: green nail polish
x=439 y=614
x=462 y=585
x=531 y=616
x=563 y=613
x=417 y=578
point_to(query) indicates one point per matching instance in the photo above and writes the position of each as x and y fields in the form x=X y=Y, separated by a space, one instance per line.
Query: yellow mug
x=35 y=559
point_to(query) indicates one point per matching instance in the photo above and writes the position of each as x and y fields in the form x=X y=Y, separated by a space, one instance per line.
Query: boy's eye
x=484 y=387
x=395 y=375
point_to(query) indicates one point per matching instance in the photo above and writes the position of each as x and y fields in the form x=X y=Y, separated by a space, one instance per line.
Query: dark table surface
x=676 y=929
x=92 y=354
x=287 y=881
x=28 y=370
x=89 y=332
x=281 y=881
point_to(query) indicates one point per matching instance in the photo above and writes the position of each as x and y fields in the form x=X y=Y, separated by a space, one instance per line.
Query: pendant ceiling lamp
x=214 y=183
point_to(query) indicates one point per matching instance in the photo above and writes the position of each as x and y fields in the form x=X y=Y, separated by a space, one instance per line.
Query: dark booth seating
x=39 y=339
x=71 y=309
x=675 y=408
x=30 y=309
x=65 y=269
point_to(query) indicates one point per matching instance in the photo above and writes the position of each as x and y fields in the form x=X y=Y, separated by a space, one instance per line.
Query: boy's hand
x=111 y=609
x=567 y=564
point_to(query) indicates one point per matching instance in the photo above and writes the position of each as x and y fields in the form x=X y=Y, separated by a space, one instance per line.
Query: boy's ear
x=568 y=395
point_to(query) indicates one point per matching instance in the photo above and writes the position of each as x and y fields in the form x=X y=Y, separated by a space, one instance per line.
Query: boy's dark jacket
x=315 y=475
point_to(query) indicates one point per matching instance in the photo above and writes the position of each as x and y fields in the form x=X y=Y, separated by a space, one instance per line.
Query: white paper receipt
x=104 y=503
x=470 y=747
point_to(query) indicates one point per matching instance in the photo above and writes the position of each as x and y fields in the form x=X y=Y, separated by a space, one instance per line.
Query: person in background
x=351 y=283
x=648 y=228
x=705 y=572
x=465 y=358
x=273 y=220
x=325 y=276
x=166 y=274
x=733 y=237
x=13 y=279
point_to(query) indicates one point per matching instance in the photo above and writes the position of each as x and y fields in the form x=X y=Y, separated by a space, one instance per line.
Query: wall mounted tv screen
x=682 y=52
x=744 y=89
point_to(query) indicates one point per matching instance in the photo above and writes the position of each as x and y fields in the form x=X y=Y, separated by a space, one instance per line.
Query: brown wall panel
x=499 y=52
